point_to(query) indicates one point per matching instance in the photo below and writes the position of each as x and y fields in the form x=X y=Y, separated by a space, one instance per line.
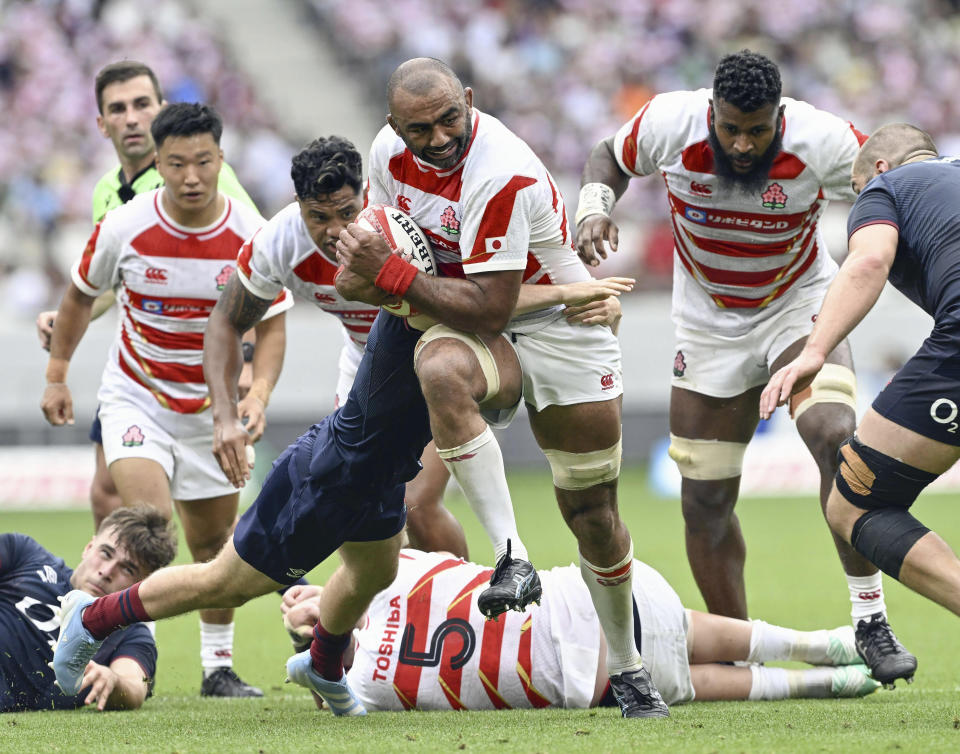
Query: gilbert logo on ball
x=405 y=239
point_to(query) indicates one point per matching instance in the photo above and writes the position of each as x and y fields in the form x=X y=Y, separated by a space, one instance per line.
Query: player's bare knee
x=708 y=505
x=885 y=488
x=826 y=428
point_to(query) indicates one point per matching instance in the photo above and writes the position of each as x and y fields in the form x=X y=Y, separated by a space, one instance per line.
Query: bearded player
x=748 y=174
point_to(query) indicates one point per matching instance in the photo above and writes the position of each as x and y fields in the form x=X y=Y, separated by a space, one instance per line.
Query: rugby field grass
x=793 y=578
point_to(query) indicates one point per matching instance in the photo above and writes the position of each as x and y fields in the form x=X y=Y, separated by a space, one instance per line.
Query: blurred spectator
x=51 y=154
x=564 y=73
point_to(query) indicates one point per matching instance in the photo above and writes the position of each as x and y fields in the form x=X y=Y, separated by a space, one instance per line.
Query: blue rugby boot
x=75 y=646
x=337 y=695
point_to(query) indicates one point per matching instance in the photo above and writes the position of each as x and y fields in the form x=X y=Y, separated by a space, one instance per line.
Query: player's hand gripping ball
x=405 y=239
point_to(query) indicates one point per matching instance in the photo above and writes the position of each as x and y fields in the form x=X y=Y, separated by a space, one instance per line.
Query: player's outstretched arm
x=271 y=339
x=121 y=686
x=74 y=316
x=601 y=184
x=533 y=297
x=237 y=310
x=851 y=295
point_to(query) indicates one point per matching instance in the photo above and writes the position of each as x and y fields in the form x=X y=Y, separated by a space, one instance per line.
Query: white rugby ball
x=405 y=239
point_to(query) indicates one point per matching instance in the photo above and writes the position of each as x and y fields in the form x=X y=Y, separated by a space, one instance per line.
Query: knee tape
x=869 y=479
x=833 y=384
x=578 y=471
x=487 y=363
x=884 y=536
x=707 y=459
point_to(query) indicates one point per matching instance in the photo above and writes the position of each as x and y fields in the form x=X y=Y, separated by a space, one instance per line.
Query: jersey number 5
x=431 y=658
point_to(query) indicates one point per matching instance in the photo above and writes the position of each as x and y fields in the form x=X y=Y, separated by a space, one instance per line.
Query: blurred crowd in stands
x=561 y=73
x=51 y=153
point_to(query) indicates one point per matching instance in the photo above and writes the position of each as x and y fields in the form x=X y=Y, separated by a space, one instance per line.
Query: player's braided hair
x=326 y=165
x=147 y=535
x=186 y=119
x=747 y=80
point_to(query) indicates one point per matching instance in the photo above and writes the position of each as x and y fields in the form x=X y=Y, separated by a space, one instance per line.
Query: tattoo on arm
x=242 y=308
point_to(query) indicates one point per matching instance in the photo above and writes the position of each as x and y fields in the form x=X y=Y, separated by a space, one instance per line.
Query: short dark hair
x=123 y=70
x=186 y=119
x=747 y=80
x=147 y=535
x=326 y=165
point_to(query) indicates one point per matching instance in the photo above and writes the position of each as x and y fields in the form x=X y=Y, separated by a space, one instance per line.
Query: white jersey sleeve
x=97 y=270
x=496 y=224
x=376 y=191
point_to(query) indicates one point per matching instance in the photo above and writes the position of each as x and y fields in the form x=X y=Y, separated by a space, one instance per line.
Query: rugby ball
x=405 y=239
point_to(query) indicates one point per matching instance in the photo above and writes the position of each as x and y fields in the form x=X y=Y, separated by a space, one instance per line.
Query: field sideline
x=793 y=578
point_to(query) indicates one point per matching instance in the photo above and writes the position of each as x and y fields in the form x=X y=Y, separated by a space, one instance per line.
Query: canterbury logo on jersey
x=155 y=275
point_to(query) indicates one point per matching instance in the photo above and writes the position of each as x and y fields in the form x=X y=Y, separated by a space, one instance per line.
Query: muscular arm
x=851 y=295
x=237 y=310
x=602 y=167
x=74 y=317
x=533 y=297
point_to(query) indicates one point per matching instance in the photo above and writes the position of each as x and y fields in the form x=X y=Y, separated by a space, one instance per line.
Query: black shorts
x=96 y=431
x=344 y=479
x=924 y=395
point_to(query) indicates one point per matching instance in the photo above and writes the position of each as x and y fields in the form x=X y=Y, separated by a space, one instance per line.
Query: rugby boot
x=75 y=645
x=850 y=681
x=886 y=657
x=337 y=695
x=637 y=696
x=225 y=682
x=513 y=585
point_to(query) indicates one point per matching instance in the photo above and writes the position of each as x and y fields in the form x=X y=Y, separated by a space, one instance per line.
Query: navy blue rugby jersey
x=921 y=200
x=31 y=579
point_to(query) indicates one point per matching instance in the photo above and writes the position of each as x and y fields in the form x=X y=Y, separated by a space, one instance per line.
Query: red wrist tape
x=395 y=276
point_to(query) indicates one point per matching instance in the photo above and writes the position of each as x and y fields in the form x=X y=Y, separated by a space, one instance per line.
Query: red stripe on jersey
x=246 y=254
x=187 y=341
x=156 y=241
x=178 y=308
x=753 y=222
x=740 y=302
x=357 y=328
x=440 y=242
x=170 y=371
x=451 y=680
x=496 y=217
x=874 y=222
x=365 y=314
x=861 y=137
x=698 y=158
x=405 y=169
x=628 y=154
x=491 y=646
x=534 y=267
x=406 y=679
x=87 y=257
x=316 y=269
x=451 y=270
x=525 y=665
x=556 y=202
x=180 y=405
x=735 y=248
x=786 y=166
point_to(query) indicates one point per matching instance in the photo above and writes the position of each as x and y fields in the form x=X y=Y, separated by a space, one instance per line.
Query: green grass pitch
x=793 y=578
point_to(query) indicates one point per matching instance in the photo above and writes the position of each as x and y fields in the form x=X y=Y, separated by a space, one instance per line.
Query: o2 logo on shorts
x=944 y=411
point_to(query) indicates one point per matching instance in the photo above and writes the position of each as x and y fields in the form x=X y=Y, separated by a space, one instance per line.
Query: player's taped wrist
x=395 y=276
x=595 y=199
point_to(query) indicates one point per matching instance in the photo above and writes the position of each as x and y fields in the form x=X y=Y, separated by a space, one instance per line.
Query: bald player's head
x=888 y=147
x=431 y=111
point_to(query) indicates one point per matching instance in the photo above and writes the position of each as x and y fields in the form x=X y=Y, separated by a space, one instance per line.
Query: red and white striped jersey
x=282 y=254
x=168 y=278
x=426 y=645
x=497 y=209
x=741 y=257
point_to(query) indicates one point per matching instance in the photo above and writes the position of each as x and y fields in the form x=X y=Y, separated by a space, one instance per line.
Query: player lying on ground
x=423 y=644
x=339 y=487
x=130 y=544
x=904 y=227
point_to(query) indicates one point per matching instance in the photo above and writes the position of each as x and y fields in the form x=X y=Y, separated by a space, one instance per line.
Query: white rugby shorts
x=181 y=443
x=564 y=364
x=713 y=364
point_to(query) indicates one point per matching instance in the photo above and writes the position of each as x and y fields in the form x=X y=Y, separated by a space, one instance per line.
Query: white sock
x=866 y=596
x=477 y=466
x=216 y=646
x=769 y=643
x=769 y=684
x=611 y=590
